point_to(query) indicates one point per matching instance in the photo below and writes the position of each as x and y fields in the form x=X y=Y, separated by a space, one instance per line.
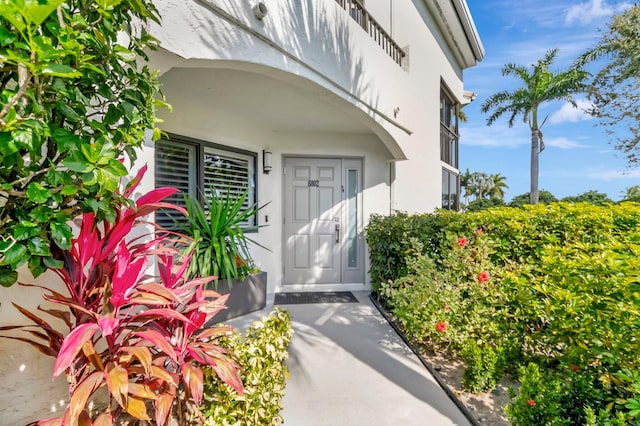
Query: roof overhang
x=458 y=29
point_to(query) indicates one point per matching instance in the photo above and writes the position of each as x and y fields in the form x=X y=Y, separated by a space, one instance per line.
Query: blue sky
x=578 y=156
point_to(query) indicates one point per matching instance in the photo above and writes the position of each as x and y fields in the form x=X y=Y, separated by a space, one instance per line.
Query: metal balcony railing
x=375 y=30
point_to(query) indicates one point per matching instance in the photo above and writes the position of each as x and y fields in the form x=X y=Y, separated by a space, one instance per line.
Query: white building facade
x=327 y=111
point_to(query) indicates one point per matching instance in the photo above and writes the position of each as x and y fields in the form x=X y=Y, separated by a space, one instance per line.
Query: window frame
x=449 y=127
x=456 y=200
x=200 y=146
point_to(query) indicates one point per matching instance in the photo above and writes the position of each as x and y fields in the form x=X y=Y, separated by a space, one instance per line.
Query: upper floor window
x=197 y=168
x=450 y=190
x=448 y=129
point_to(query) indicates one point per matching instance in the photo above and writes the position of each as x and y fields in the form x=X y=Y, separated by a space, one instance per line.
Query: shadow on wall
x=314 y=34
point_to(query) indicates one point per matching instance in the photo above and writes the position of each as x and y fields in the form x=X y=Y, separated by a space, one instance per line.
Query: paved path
x=349 y=368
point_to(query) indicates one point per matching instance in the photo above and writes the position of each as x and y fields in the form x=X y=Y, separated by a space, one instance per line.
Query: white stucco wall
x=27 y=389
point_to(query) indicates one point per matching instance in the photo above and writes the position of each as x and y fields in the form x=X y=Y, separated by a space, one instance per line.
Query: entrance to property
x=322 y=223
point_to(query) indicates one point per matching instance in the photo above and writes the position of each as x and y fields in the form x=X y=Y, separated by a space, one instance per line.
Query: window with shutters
x=197 y=168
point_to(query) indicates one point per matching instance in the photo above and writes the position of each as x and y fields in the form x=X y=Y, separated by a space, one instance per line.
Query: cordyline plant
x=74 y=99
x=142 y=338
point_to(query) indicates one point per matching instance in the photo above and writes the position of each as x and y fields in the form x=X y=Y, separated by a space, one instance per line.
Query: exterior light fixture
x=267 y=164
x=260 y=11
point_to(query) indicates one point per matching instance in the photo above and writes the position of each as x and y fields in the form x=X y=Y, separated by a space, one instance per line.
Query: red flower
x=462 y=241
x=441 y=326
x=574 y=367
x=531 y=403
x=479 y=232
x=483 y=277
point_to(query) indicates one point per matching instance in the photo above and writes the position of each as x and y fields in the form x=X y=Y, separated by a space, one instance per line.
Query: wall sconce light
x=260 y=11
x=267 y=164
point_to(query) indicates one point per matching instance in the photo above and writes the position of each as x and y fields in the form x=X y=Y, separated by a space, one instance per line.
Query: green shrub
x=562 y=292
x=538 y=400
x=550 y=397
x=261 y=355
x=484 y=367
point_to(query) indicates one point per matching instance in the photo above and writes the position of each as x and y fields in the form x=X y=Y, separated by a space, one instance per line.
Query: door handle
x=337 y=232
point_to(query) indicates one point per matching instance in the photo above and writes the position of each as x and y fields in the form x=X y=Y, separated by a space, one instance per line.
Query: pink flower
x=479 y=232
x=447 y=307
x=441 y=326
x=483 y=277
x=531 y=403
x=462 y=241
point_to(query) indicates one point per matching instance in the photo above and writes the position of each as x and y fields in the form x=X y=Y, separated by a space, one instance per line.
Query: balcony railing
x=375 y=30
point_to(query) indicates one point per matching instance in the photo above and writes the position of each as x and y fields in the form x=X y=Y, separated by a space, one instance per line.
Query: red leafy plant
x=143 y=338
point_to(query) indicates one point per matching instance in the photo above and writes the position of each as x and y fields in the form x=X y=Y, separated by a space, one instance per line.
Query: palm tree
x=466 y=183
x=498 y=186
x=632 y=193
x=540 y=86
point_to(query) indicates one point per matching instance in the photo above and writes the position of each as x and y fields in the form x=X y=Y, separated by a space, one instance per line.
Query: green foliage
x=261 y=354
x=389 y=239
x=538 y=399
x=545 y=197
x=484 y=203
x=74 y=103
x=219 y=245
x=484 y=366
x=615 y=88
x=139 y=339
x=560 y=291
x=548 y=397
x=593 y=197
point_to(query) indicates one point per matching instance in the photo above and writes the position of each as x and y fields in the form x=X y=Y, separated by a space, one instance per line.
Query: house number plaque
x=314 y=182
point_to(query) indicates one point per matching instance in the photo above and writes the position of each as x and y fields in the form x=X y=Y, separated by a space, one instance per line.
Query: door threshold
x=304 y=288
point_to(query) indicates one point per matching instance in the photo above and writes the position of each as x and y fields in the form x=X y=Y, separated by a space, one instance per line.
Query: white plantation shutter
x=175 y=167
x=229 y=172
x=186 y=166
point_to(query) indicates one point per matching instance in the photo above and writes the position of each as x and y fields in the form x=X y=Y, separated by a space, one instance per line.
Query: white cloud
x=562 y=143
x=571 y=114
x=611 y=174
x=585 y=13
x=498 y=135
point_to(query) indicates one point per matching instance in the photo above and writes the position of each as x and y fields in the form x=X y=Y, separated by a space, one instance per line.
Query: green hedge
x=519 y=233
x=556 y=287
x=261 y=355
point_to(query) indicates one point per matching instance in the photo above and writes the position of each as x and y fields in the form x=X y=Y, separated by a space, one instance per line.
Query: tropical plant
x=615 y=88
x=74 y=100
x=540 y=85
x=632 y=193
x=220 y=245
x=140 y=338
x=467 y=183
x=498 y=185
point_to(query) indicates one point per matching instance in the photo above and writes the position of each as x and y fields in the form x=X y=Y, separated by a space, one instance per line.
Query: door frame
x=360 y=284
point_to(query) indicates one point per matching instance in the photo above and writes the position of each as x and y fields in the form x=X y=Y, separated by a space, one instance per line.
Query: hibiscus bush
x=140 y=338
x=554 y=286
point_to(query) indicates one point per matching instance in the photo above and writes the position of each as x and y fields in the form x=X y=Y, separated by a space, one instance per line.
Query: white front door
x=323 y=243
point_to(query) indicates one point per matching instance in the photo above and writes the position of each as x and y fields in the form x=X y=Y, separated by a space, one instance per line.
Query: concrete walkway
x=349 y=367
